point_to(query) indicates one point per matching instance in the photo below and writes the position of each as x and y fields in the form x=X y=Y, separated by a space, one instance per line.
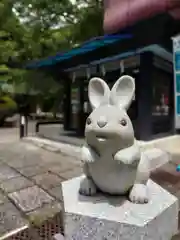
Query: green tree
x=36 y=29
x=60 y=24
x=89 y=20
x=11 y=38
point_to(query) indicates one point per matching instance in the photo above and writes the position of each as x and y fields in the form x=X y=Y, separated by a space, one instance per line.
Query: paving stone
x=166 y=174
x=168 y=178
x=176 y=159
x=47 y=212
x=15 y=184
x=71 y=160
x=47 y=180
x=7 y=155
x=177 y=194
x=3 y=198
x=1 y=159
x=10 y=218
x=7 y=172
x=59 y=168
x=32 y=170
x=171 y=168
x=177 y=191
x=46 y=157
x=177 y=237
x=24 y=161
x=76 y=172
x=56 y=192
x=3 y=230
x=57 y=161
x=31 y=198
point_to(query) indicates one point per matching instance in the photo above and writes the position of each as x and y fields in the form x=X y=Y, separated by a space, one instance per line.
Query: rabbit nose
x=102 y=122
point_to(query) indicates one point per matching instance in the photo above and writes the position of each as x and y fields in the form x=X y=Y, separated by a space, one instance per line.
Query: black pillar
x=67 y=103
x=144 y=87
x=66 y=82
x=81 y=116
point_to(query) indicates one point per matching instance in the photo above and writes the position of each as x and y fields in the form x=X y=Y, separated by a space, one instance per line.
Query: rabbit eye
x=123 y=122
x=88 y=121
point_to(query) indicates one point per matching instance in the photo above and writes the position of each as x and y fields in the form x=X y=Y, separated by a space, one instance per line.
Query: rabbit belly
x=113 y=178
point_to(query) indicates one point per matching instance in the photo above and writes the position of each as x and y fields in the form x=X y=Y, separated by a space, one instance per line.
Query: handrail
x=46 y=122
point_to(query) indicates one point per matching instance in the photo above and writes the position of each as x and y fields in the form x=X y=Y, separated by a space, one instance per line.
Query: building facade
x=152 y=110
x=142 y=50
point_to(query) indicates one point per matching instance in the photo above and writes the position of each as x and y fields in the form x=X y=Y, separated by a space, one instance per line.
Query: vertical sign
x=176 y=51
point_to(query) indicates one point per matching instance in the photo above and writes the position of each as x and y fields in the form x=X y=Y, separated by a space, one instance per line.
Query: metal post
x=37 y=127
x=26 y=126
x=22 y=126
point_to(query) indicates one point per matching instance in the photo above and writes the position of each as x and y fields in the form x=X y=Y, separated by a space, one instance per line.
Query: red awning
x=119 y=14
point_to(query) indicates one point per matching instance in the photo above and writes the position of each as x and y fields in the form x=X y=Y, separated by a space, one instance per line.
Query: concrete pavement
x=30 y=188
x=31 y=173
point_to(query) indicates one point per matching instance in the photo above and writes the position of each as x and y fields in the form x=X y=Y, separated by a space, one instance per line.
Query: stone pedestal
x=106 y=217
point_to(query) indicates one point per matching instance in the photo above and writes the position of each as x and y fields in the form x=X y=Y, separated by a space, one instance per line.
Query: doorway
x=163 y=101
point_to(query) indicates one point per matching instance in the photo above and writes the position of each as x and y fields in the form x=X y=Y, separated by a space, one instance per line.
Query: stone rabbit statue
x=113 y=162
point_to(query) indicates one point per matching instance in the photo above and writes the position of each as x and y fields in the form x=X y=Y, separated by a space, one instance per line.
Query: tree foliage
x=89 y=20
x=34 y=29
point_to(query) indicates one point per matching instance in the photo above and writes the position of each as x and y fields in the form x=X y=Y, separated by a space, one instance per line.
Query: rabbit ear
x=122 y=92
x=98 y=92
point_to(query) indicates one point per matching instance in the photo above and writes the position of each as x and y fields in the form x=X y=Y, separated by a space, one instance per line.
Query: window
x=162 y=100
x=161 y=90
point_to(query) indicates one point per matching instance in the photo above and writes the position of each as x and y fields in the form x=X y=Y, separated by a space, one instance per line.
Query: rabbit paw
x=129 y=156
x=88 y=155
x=87 y=187
x=139 y=194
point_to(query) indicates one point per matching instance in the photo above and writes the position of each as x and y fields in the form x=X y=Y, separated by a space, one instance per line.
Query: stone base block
x=105 y=217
